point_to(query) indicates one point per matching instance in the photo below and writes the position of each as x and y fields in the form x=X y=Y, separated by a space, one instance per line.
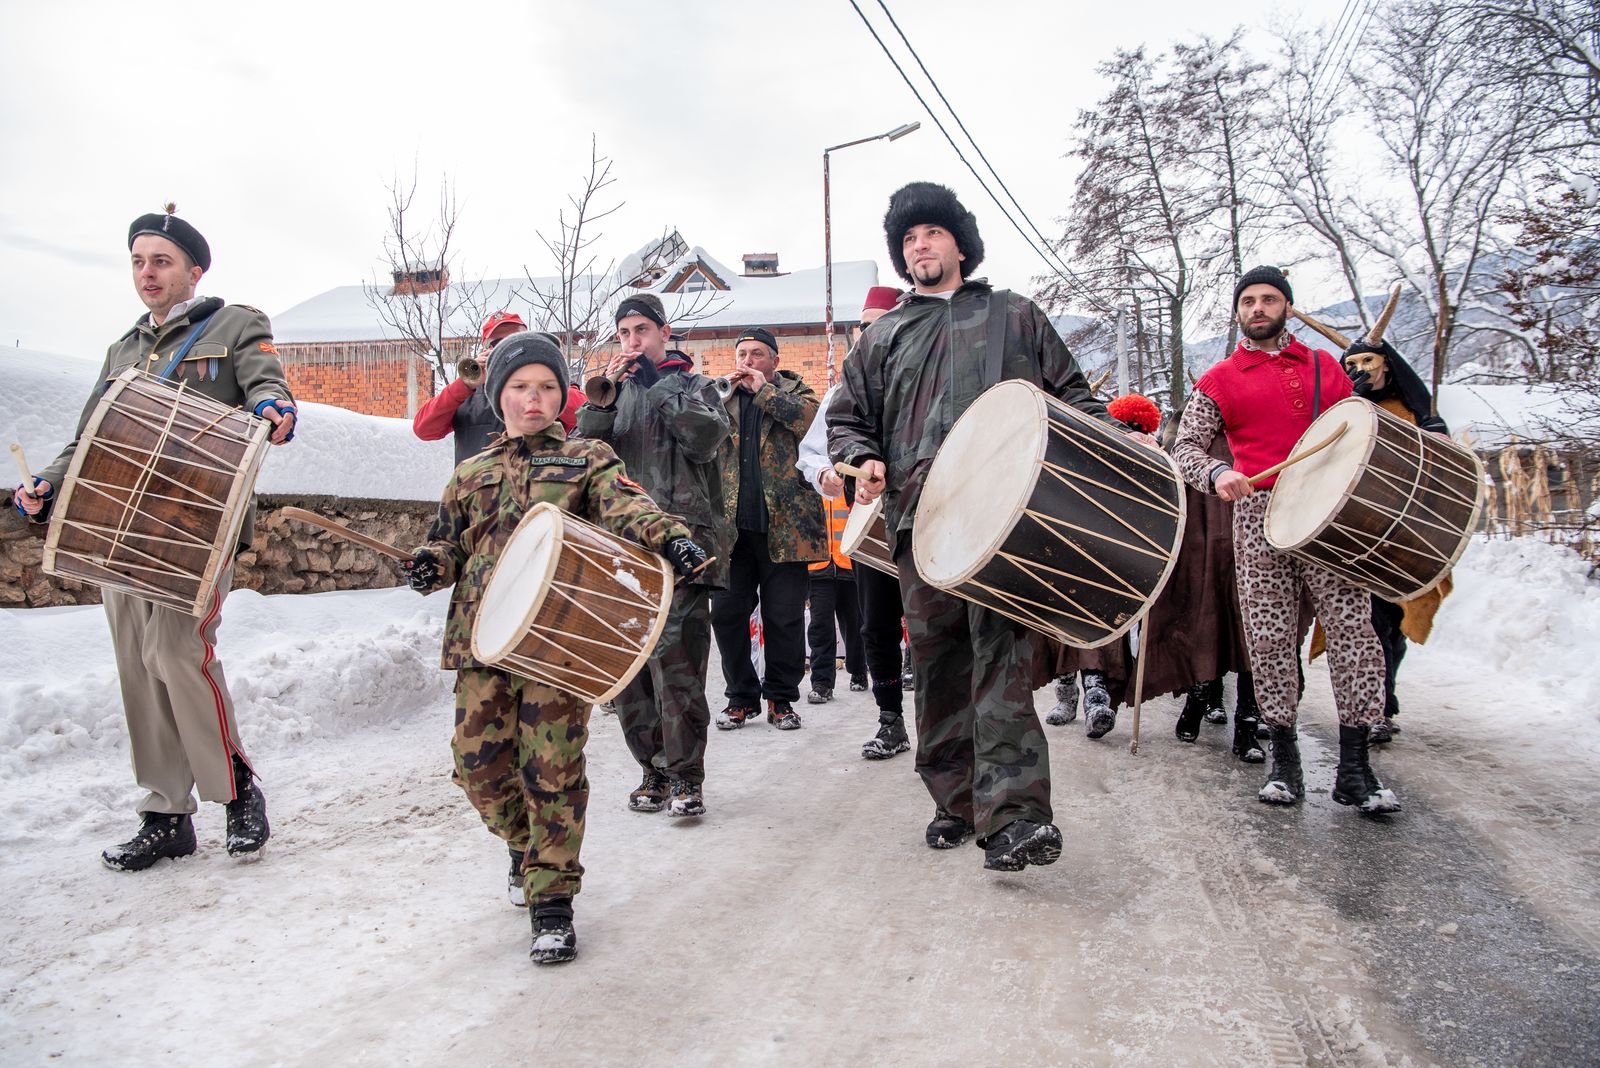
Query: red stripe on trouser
x=216 y=691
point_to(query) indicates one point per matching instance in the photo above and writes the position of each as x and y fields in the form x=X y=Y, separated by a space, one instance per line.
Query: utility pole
x=1122 y=352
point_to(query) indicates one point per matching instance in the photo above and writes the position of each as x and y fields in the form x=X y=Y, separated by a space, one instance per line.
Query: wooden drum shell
x=866 y=539
x=1081 y=532
x=155 y=498
x=594 y=610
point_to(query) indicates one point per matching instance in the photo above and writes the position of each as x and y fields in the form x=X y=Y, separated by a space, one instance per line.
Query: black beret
x=175 y=230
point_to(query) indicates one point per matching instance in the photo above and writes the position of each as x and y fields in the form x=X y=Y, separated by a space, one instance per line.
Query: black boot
x=1246 y=743
x=1066 y=706
x=1020 y=843
x=554 y=940
x=161 y=835
x=1286 y=783
x=890 y=739
x=1194 y=711
x=1098 y=714
x=247 y=814
x=1211 y=694
x=947 y=830
x=1354 y=782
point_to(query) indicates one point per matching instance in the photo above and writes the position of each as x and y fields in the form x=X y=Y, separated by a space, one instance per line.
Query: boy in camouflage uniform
x=518 y=744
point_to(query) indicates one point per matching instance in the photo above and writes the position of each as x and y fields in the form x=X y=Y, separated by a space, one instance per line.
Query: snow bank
x=336 y=452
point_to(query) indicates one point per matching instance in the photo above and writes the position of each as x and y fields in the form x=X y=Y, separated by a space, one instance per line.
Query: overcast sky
x=276 y=128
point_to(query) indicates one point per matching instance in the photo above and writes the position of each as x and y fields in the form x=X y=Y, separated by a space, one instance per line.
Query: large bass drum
x=572 y=606
x=1039 y=512
x=1388 y=507
x=157 y=492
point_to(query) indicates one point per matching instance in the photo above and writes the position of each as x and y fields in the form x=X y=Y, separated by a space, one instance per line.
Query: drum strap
x=995 y=345
x=188 y=343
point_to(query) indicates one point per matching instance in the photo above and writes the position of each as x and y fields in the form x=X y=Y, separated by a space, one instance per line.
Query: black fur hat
x=928 y=202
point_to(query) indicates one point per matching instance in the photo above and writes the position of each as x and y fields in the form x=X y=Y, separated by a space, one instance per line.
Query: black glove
x=685 y=556
x=1361 y=380
x=644 y=372
x=422 y=570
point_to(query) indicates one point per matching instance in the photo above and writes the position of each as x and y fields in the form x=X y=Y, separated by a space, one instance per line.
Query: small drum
x=572 y=606
x=865 y=541
x=1043 y=514
x=1388 y=507
x=157 y=493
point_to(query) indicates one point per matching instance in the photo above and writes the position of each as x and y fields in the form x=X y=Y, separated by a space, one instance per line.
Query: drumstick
x=709 y=561
x=1318 y=447
x=853 y=471
x=343 y=531
x=22 y=465
x=1138 y=682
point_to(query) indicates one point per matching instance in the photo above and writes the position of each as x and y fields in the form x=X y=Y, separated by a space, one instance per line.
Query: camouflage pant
x=1269 y=595
x=980 y=750
x=663 y=711
x=518 y=750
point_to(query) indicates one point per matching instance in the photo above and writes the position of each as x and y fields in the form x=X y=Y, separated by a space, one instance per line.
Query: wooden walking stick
x=1138 y=681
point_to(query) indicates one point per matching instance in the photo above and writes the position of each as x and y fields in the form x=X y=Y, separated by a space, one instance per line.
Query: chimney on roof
x=760 y=263
x=415 y=283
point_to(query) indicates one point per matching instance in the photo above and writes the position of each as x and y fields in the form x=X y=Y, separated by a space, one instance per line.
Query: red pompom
x=1136 y=411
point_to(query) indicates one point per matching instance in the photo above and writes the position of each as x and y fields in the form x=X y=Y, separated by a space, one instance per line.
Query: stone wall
x=288 y=556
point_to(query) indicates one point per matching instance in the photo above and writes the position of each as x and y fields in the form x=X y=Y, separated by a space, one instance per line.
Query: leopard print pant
x=1269 y=593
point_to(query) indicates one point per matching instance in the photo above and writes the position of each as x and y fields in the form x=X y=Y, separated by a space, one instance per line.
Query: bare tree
x=1552 y=46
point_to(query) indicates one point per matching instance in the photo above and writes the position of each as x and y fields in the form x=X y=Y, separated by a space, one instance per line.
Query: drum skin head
x=1307 y=496
x=957 y=532
x=859 y=525
x=516 y=587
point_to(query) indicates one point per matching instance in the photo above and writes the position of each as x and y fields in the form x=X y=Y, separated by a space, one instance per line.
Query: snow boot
x=687 y=799
x=1383 y=731
x=651 y=793
x=1354 y=782
x=1020 y=843
x=858 y=683
x=514 y=887
x=781 y=714
x=1194 y=712
x=247 y=815
x=736 y=715
x=554 y=940
x=1098 y=715
x=947 y=830
x=890 y=739
x=1066 y=707
x=1248 y=731
x=1211 y=695
x=160 y=835
x=1286 y=783
x=819 y=695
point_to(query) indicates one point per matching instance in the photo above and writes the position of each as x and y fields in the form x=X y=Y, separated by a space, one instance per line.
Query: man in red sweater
x=463 y=410
x=1263 y=397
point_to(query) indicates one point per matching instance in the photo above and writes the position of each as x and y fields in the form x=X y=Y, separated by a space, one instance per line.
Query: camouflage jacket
x=488 y=495
x=920 y=366
x=234 y=361
x=671 y=436
x=796 y=531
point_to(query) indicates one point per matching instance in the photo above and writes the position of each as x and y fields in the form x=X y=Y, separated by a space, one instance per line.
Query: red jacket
x=434 y=419
x=1266 y=400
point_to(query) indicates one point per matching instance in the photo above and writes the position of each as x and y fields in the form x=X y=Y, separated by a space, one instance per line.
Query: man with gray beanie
x=980 y=749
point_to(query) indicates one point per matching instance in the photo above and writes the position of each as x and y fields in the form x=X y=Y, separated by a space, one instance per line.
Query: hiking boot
x=1098 y=715
x=247 y=815
x=858 y=684
x=687 y=799
x=1286 y=783
x=947 y=830
x=1381 y=732
x=651 y=793
x=1354 y=782
x=1247 y=740
x=819 y=695
x=514 y=887
x=1193 y=714
x=890 y=739
x=1020 y=843
x=1066 y=706
x=554 y=940
x=781 y=714
x=735 y=716
x=160 y=835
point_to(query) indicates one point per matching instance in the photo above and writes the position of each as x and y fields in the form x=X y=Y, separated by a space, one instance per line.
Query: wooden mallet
x=22 y=466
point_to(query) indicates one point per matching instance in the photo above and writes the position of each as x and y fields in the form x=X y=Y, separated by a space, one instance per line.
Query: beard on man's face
x=928 y=274
x=1265 y=331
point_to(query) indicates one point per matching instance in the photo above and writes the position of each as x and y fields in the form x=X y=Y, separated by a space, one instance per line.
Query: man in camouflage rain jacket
x=778 y=529
x=980 y=749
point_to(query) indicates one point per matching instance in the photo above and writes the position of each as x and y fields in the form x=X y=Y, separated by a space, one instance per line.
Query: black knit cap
x=758 y=333
x=646 y=304
x=177 y=231
x=1263 y=276
x=520 y=350
x=931 y=204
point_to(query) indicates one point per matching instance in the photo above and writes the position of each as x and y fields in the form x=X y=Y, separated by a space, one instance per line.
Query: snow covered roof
x=346 y=313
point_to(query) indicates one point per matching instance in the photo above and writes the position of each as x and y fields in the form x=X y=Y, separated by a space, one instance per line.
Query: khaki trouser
x=181 y=728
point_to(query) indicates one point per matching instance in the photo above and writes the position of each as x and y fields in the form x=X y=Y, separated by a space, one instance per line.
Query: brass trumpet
x=470 y=370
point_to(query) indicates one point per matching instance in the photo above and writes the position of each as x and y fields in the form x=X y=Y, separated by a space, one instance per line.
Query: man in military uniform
x=181 y=726
x=778 y=530
x=980 y=750
x=668 y=426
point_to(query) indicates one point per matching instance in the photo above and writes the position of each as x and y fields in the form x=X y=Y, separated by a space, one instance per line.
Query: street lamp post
x=827 y=227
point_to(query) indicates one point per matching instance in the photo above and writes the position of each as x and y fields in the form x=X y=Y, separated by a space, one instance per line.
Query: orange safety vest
x=835 y=513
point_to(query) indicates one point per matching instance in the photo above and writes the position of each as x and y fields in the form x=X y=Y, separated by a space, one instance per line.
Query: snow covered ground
x=802 y=921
